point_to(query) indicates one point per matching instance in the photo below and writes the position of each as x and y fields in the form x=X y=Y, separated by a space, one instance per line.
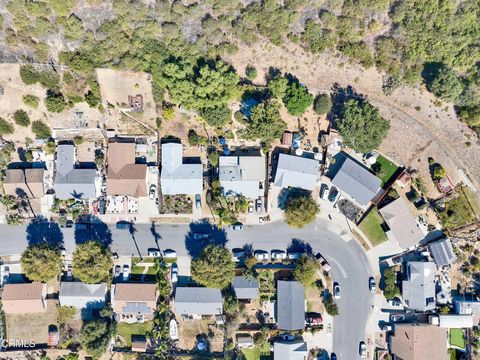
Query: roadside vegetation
x=41 y=262
x=214 y=267
x=300 y=210
x=92 y=262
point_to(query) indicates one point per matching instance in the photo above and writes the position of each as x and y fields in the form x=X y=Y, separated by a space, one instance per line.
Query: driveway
x=350 y=266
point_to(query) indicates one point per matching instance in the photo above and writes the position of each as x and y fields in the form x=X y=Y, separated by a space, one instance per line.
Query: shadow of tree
x=41 y=230
x=299 y=246
x=290 y=193
x=217 y=236
x=96 y=230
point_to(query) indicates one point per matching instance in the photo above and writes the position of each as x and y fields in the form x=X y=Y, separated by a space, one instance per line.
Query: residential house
x=28 y=183
x=71 y=181
x=290 y=350
x=180 y=175
x=198 y=301
x=242 y=175
x=124 y=175
x=24 y=298
x=357 y=183
x=82 y=296
x=297 y=171
x=468 y=306
x=403 y=227
x=419 y=341
x=290 y=305
x=418 y=289
x=245 y=289
x=442 y=252
x=134 y=302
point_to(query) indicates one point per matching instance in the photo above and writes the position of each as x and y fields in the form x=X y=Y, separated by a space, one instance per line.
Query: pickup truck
x=324 y=263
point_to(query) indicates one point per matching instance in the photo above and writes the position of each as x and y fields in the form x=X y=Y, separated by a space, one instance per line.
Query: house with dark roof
x=290 y=309
x=72 y=181
x=24 y=298
x=245 y=289
x=442 y=252
x=290 y=350
x=297 y=172
x=124 y=175
x=418 y=288
x=179 y=175
x=198 y=301
x=134 y=302
x=81 y=295
x=404 y=229
x=419 y=342
x=242 y=175
x=357 y=183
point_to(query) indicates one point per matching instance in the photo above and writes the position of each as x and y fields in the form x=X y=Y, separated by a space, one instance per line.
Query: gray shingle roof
x=442 y=252
x=418 y=289
x=242 y=175
x=136 y=308
x=245 y=289
x=290 y=305
x=198 y=301
x=357 y=182
x=291 y=350
x=297 y=171
x=80 y=295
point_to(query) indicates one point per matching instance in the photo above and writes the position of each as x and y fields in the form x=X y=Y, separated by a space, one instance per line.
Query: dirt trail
x=419 y=128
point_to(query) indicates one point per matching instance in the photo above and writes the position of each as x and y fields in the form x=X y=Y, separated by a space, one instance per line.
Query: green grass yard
x=258 y=353
x=370 y=226
x=136 y=329
x=388 y=168
x=456 y=338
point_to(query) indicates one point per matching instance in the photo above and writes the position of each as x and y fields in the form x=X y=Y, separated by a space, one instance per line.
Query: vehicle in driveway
x=123 y=225
x=201 y=236
x=154 y=253
x=198 y=201
x=397 y=317
x=117 y=271
x=258 y=205
x=386 y=327
x=278 y=255
x=251 y=208
x=324 y=192
x=169 y=254
x=333 y=195
x=236 y=226
x=371 y=284
x=362 y=349
x=152 y=192
x=336 y=290
x=126 y=272
x=324 y=263
x=261 y=255
x=174 y=273
x=69 y=275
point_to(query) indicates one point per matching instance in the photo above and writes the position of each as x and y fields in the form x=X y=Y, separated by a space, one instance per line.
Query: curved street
x=350 y=266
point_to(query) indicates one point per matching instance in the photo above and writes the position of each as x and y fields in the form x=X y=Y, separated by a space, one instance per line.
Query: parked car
x=332 y=197
x=152 y=192
x=336 y=290
x=6 y=273
x=169 y=253
x=397 y=317
x=333 y=356
x=126 y=272
x=69 y=275
x=372 y=284
x=69 y=224
x=278 y=255
x=117 y=271
x=362 y=349
x=324 y=263
x=258 y=205
x=261 y=255
x=250 y=208
x=123 y=225
x=198 y=201
x=324 y=192
x=174 y=274
x=201 y=236
x=288 y=337
x=237 y=254
x=236 y=226
x=154 y=253
x=295 y=255
x=314 y=319
x=386 y=327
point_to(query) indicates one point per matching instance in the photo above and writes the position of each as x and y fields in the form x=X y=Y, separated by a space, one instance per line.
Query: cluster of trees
x=306 y=270
x=214 y=267
x=391 y=288
x=300 y=210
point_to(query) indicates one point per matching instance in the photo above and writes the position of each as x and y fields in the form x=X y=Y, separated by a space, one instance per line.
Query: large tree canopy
x=300 y=210
x=306 y=270
x=361 y=126
x=446 y=84
x=214 y=267
x=297 y=98
x=265 y=123
x=92 y=262
x=41 y=262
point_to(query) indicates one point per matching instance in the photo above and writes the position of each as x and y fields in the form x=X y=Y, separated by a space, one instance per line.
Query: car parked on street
x=251 y=208
x=362 y=349
x=336 y=290
x=261 y=255
x=123 y=225
x=324 y=263
x=278 y=255
x=154 y=253
x=372 y=284
x=169 y=254
x=198 y=201
x=236 y=226
x=258 y=205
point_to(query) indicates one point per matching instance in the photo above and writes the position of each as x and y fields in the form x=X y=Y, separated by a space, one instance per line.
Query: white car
x=154 y=253
x=262 y=255
x=174 y=273
x=126 y=272
x=152 y=192
x=279 y=255
x=336 y=291
x=294 y=255
x=169 y=254
x=324 y=192
x=362 y=349
x=250 y=208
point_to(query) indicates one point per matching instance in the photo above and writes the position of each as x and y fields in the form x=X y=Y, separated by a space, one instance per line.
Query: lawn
x=258 y=353
x=370 y=226
x=387 y=169
x=456 y=338
x=140 y=269
x=136 y=329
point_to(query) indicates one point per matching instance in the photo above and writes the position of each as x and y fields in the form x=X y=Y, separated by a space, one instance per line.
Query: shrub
x=28 y=74
x=21 y=118
x=41 y=130
x=251 y=72
x=322 y=104
x=55 y=102
x=31 y=100
x=297 y=98
x=5 y=127
x=216 y=116
x=194 y=139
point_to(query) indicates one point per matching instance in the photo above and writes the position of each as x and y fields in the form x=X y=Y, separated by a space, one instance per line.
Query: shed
x=442 y=252
x=244 y=341
x=245 y=289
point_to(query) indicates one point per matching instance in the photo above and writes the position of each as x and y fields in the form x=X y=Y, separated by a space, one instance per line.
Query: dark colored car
x=123 y=225
x=332 y=197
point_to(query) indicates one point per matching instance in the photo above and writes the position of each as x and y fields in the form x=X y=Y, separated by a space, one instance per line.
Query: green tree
x=50 y=147
x=92 y=262
x=31 y=100
x=391 y=289
x=55 y=102
x=65 y=314
x=297 y=98
x=216 y=116
x=261 y=338
x=213 y=158
x=95 y=336
x=9 y=202
x=41 y=130
x=251 y=72
x=361 y=126
x=446 y=85
x=306 y=270
x=214 y=267
x=322 y=104
x=300 y=210
x=439 y=172
x=265 y=123
x=28 y=74
x=73 y=28
x=14 y=219
x=444 y=310
x=5 y=127
x=330 y=306
x=41 y=262
x=278 y=87
x=62 y=7
x=21 y=118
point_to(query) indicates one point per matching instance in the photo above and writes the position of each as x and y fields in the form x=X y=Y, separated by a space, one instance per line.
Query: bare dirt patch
x=191 y=330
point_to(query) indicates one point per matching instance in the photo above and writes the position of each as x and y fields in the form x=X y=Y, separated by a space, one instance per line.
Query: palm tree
x=9 y=202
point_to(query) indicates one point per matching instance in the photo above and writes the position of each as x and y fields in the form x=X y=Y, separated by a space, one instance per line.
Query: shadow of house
x=216 y=236
x=41 y=230
x=95 y=230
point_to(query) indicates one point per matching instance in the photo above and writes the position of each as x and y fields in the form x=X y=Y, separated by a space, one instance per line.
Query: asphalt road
x=349 y=264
